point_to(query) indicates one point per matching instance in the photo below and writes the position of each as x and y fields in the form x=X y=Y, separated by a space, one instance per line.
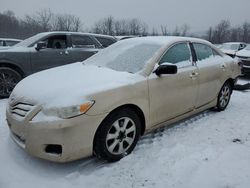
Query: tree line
x=45 y=20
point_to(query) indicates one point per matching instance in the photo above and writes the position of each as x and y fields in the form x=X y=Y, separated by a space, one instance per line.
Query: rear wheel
x=224 y=96
x=8 y=80
x=117 y=135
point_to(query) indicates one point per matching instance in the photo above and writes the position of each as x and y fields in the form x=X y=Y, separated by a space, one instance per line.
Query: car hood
x=243 y=53
x=14 y=49
x=70 y=84
x=227 y=51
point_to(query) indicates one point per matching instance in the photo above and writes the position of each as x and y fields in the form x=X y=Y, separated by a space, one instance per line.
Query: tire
x=224 y=97
x=8 y=80
x=117 y=135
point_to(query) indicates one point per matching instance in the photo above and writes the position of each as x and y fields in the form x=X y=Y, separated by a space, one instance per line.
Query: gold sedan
x=103 y=105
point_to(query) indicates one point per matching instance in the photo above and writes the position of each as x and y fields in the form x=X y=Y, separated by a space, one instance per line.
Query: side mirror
x=241 y=47
x=166 y=68
x=40 y=45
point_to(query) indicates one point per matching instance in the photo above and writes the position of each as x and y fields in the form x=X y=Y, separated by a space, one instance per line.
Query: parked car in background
x=230 y=48
x=103 y=105
x=6 y=42
x=43 y=51
x=244 y=57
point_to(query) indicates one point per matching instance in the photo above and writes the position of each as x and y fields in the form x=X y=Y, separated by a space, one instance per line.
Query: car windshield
x=126 y=56
x=29 y=41
x=248 y=47
x=231 y=46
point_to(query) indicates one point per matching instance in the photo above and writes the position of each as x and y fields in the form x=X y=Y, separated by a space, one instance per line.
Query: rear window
x=82 y=42
x=202 y=51
x=105 y=41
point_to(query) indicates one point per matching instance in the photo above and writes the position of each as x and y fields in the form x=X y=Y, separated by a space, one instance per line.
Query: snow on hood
x=70 y=84
x=244 y=53
x=227 y=51
x=14 y=49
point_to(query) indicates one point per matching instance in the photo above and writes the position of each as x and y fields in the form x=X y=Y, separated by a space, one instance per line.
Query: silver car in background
x=44 y=51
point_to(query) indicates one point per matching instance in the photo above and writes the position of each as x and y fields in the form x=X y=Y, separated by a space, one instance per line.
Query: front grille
x=242 y=57
x=247 y=63
x=21 y=109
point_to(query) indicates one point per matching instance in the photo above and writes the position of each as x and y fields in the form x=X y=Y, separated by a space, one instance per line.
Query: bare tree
x=164 y=30
x=121 y=27
x=105 y=26
x=154 y=32
x=66 y=22
x=184 y=29
x=246 y=32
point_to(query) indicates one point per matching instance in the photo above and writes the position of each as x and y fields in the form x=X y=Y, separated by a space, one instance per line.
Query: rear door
x=211 y=69
x=173 y=95
x=82 y=47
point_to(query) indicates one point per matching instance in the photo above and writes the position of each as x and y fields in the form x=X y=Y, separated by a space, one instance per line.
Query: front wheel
x=224 y=96
x=117 y=135
x=8 y=80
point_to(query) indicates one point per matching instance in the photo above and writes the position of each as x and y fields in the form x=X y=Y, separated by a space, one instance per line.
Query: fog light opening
x=53 y=149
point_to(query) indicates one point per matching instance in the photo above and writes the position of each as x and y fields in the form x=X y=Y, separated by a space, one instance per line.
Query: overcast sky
x=198 y=14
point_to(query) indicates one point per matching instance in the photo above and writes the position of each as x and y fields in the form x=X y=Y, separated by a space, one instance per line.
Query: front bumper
x=245 y=65
x=74 y=136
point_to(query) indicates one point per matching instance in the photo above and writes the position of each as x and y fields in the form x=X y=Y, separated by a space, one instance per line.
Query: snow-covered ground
x=209 y=150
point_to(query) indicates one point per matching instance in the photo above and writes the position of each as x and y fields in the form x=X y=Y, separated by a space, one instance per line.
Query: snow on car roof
x=9 y=39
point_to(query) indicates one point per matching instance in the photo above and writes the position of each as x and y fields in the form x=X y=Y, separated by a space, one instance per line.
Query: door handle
x=223 y=67
x=194 y=75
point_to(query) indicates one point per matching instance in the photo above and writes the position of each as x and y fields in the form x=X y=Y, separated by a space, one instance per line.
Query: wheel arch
x=133 y=107
x=14 y=67
x=231 y=82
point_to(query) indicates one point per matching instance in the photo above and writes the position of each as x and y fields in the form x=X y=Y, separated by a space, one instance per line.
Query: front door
x=55 y=54
x=173 y=95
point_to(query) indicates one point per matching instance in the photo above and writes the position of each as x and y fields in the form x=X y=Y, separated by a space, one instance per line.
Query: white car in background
x=230 y=48
x=244 y=57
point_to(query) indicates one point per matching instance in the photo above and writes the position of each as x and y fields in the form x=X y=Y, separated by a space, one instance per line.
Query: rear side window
x=105 y=41
x=177 y=54
x=203 y=51
x=82 y=42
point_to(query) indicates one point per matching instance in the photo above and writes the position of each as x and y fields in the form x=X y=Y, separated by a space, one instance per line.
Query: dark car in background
x=44 y=51
x=6 y=42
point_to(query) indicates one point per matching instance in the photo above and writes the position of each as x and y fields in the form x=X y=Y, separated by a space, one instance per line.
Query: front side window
x=1 y=43
x=203 y=51
x=82 y=42
x=179 y=54
x=56 y=42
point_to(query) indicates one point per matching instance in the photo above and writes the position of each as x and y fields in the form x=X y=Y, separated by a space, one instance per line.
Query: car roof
x=234 y=43
x=78 y=33
x=163 y=40
x=10 y=39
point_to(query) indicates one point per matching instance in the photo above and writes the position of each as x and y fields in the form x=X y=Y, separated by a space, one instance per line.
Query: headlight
x=70 y=111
